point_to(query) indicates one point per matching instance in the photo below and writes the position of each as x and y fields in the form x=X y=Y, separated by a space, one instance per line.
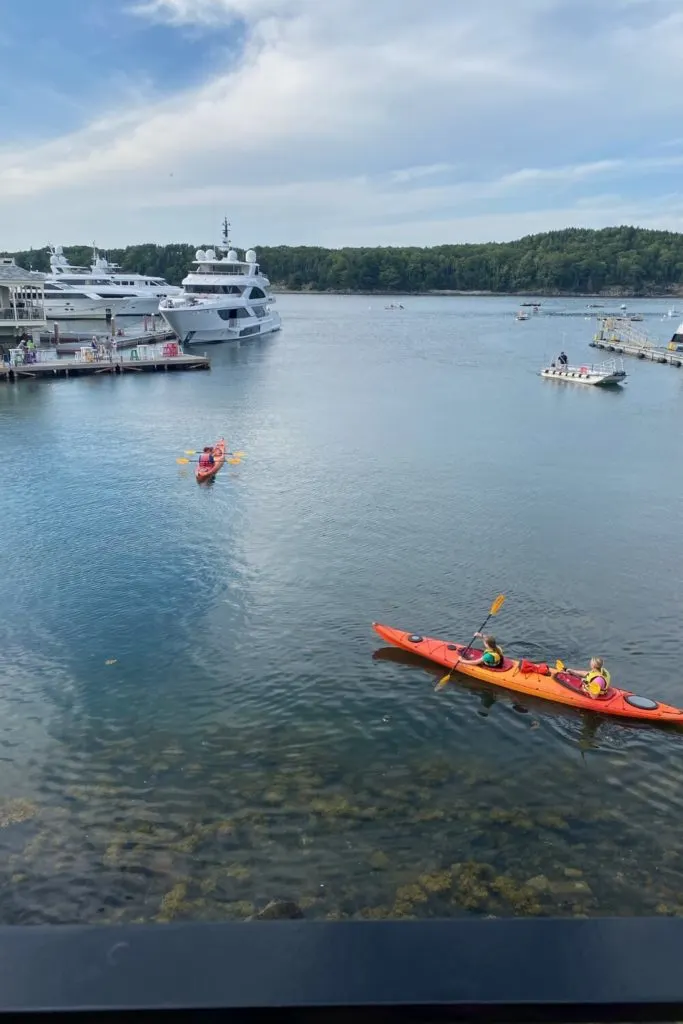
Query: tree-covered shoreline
x=616 y=261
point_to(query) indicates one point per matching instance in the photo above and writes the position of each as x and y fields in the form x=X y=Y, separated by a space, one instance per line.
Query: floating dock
x=49 y=370
x=618 y=335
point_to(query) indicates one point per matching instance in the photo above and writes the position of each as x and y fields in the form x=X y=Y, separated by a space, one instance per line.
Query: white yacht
x=93 y=292
x=224 y=298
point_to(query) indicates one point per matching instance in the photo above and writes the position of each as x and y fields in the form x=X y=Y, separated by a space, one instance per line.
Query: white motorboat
x=224 y=298
x=90 y=293
x=599 y=375
x=522 y=315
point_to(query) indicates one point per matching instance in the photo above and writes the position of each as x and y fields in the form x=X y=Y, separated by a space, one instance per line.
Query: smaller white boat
x=522 y=315
x=599 y=375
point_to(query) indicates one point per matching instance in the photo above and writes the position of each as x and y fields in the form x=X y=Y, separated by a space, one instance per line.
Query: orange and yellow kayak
x=562 y=687
x=205 y=473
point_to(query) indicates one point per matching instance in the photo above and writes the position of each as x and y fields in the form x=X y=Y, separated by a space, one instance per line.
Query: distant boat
x=394 y=306
x=623 y=305
x=522 y=315
x=636 y=317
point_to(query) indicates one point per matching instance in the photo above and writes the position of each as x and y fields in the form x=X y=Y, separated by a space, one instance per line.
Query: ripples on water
x=244 y=743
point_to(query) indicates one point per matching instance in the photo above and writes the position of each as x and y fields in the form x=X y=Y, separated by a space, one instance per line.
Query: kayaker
x=595 y=682
x=492 y=656
x=206 y=458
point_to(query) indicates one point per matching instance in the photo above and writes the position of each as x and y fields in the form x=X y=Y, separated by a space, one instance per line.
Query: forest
x=575 y=261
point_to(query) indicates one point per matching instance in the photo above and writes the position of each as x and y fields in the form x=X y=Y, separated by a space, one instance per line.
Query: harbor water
x=195 y=715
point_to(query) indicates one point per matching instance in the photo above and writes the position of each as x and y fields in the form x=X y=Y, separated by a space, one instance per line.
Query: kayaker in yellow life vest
x=596 y=681
x=492 y=656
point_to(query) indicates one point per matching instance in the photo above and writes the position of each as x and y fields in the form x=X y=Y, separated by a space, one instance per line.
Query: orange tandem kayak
x=563 y=688
x=205 y=473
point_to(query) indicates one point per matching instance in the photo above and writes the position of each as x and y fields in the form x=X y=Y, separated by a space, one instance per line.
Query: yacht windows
x=260 y=311
x=233 y=314
x=117 y=295
x=213 y=289
x=257 y=293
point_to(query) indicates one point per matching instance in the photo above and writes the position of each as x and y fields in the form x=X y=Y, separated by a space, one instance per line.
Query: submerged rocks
x=279 y=910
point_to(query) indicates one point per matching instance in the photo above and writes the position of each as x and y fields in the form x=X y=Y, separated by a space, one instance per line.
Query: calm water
x=250 y=741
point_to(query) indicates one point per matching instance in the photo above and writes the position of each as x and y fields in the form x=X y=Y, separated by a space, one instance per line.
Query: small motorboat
x=605 y=374
x=522 y=315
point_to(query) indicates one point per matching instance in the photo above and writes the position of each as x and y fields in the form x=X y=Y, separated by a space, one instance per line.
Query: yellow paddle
x=237 y=457
x=495 y=608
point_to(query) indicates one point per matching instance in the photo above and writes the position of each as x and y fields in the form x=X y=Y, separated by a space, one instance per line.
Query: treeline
x=617 y=261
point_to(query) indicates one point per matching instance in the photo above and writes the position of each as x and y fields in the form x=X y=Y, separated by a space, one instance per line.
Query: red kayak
x=524 y=677
x=205 y=473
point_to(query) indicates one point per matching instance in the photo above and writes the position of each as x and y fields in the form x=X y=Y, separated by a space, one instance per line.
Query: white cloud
x=379 y=120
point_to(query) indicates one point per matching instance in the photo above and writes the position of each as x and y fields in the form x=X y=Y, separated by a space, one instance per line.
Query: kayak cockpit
x=575 y=684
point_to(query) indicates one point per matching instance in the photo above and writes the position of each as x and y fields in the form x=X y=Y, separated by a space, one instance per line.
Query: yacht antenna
x=226 y=232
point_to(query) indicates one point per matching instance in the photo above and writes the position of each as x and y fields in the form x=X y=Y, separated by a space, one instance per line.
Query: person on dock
x=206 y=458
x=562 y=360
x=492 y=656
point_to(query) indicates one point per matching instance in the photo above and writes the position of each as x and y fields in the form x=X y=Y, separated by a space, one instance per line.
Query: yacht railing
x=21 y=314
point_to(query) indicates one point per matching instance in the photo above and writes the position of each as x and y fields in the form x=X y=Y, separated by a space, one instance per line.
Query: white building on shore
x=22 y=302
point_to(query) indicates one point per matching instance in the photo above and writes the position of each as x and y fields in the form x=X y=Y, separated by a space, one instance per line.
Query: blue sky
x=337 y=122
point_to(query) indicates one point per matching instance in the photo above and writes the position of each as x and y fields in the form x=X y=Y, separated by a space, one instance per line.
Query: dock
x=617 y=334
x=154 y=360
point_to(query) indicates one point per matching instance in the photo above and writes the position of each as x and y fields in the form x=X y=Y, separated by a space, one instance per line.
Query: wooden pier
x=618 y=335
x=76 y=368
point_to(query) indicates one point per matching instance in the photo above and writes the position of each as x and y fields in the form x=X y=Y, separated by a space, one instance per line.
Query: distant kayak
x=563 y=688
x=205 y=473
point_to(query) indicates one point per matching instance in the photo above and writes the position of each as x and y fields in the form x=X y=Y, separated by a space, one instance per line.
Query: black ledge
x=627 y=969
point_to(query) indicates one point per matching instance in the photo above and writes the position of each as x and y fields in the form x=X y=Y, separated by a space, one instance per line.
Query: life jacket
x=205 y=459
x=497 y=655
x=598 y=677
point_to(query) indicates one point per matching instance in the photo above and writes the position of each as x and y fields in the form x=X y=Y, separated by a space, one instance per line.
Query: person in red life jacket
x=206 y=459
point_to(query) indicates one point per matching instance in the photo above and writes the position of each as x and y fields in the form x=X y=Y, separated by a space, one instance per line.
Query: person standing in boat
x=562 y=360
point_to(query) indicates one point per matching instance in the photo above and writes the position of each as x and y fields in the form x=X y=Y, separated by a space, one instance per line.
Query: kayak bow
x=562 y=688
x=205 y=473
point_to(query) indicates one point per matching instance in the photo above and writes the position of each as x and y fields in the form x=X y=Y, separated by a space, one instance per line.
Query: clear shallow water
x=251 y=741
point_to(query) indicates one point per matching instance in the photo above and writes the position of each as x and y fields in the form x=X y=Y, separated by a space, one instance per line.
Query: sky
x=337 y=122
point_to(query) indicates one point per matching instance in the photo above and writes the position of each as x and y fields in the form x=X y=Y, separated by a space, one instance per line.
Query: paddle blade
x=182 y=462
x=192 y=452
x=497 y=604
x=444 y=681
x=559 y=665
x=239 y=455
x=234 y=462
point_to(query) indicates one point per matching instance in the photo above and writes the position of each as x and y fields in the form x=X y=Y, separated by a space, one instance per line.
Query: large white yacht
x=224 y=298
x=93 y=292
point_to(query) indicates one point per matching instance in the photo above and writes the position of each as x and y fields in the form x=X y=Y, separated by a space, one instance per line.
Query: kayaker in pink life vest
x=595 y=682
x=206 y=459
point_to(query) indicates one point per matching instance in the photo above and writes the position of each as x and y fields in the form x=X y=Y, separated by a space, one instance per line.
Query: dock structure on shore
x=145 y=359
x=617 y=334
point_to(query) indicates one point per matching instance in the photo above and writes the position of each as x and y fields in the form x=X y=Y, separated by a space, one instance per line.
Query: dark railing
x=22 y=314
x=488 y=970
